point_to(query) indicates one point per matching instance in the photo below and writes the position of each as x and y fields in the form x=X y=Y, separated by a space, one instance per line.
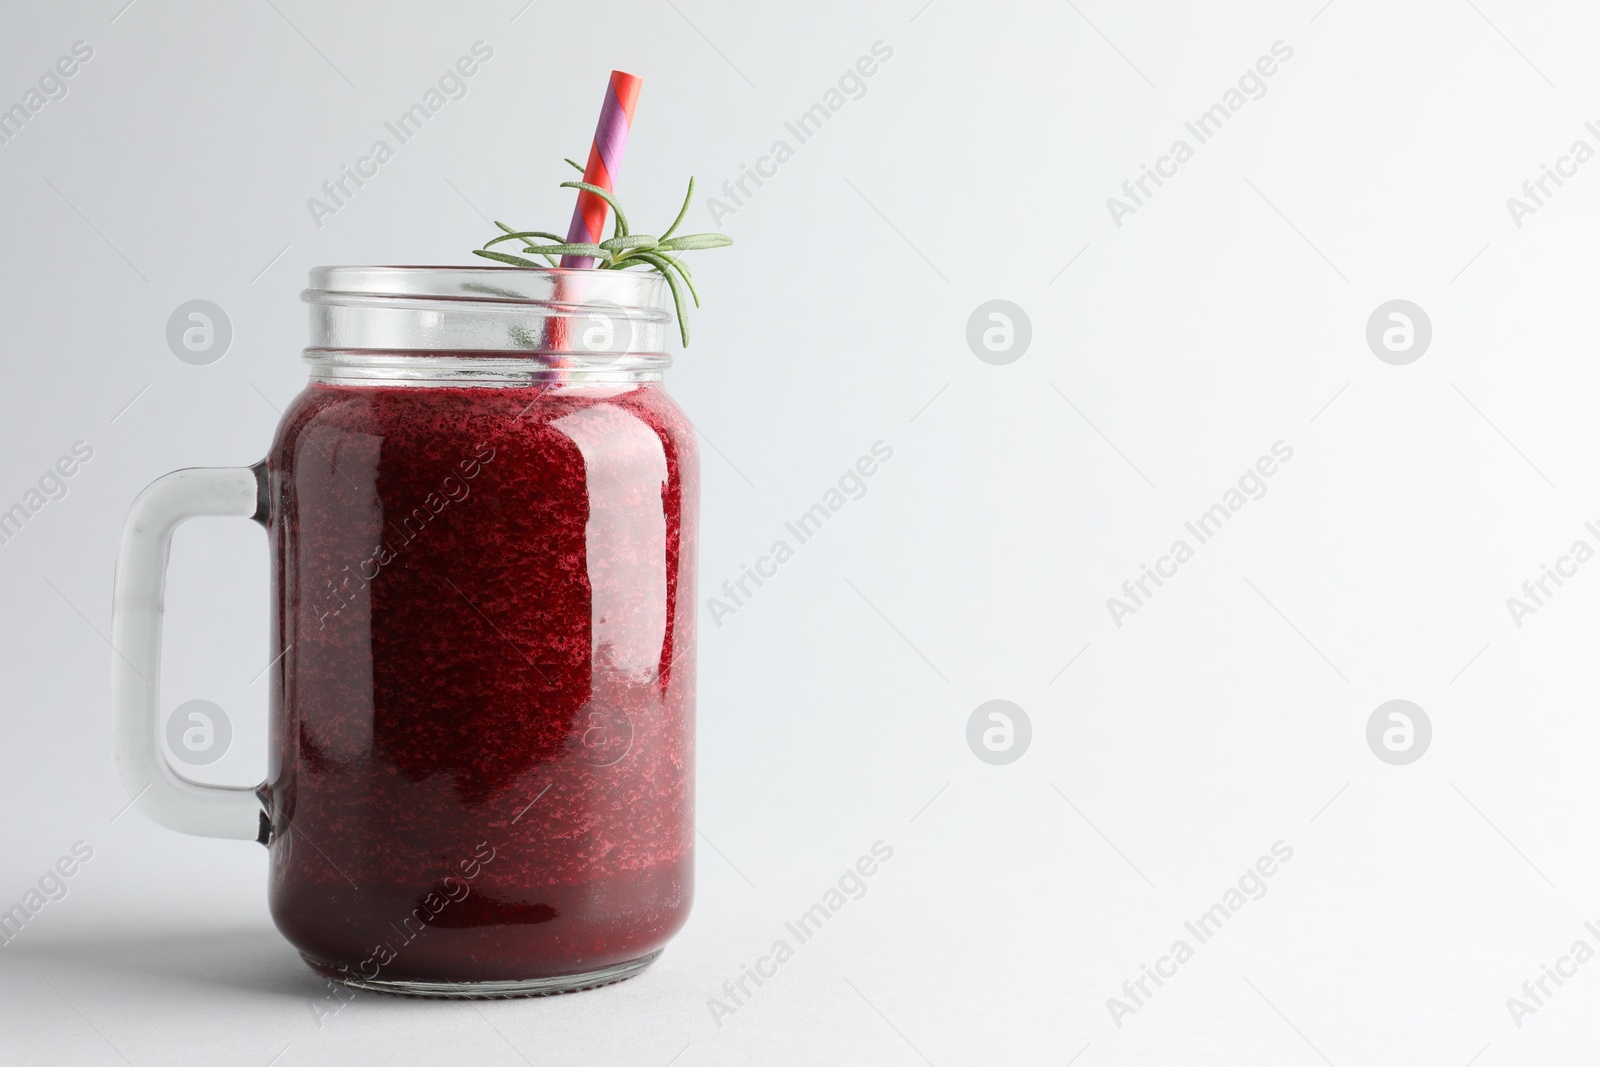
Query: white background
x=1227 y=314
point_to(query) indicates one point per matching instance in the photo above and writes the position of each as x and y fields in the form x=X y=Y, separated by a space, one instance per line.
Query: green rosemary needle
x=622 y=250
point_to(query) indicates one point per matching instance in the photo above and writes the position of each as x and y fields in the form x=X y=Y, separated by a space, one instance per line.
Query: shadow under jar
x=482 y=518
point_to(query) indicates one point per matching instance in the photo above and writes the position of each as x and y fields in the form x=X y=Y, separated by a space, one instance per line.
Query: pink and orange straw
x=605 y=159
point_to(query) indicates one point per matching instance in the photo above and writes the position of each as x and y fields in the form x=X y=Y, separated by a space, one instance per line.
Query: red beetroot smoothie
x=483 y=723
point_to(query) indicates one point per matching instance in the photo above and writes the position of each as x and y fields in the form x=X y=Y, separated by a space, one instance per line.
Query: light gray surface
x=1229 y=712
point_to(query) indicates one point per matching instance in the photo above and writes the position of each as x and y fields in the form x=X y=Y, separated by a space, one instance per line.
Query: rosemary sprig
x=622 y=250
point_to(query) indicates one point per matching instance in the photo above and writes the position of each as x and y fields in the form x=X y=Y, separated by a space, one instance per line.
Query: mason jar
x=482 y=518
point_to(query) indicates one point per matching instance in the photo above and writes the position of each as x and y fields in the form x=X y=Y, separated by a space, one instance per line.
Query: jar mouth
x=553 y=317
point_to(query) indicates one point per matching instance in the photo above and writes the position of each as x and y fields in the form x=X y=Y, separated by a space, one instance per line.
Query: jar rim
x=577 y=320
x=640 y=294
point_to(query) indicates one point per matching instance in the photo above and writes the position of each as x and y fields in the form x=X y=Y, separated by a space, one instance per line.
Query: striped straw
x=605 y=159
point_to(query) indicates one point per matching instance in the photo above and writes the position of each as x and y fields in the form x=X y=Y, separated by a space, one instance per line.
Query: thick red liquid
x=483 y=725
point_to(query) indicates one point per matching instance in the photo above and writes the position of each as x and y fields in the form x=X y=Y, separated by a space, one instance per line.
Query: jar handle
x=138 y=600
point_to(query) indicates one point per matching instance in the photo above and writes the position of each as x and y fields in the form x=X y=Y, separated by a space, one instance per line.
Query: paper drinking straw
x=605 y=159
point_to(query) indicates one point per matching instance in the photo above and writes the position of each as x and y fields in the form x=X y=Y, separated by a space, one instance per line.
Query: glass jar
x=482 y=516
